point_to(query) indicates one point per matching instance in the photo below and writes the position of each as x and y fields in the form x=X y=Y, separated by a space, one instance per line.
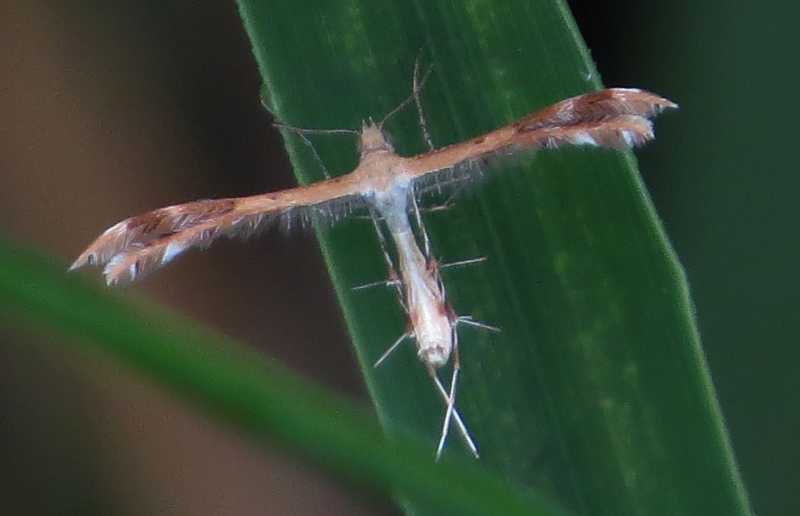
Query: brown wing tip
x=87 y=258
x=636 y=94
x=78 y=263
x=596 y=106
x=105 y=246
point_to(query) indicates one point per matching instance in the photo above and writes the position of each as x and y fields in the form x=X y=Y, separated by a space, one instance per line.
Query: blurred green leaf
x=597 y=390
x=258 y=398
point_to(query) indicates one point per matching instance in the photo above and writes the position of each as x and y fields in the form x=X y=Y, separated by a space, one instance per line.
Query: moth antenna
x=301 y=130
x=417 y=89
x=416 y=86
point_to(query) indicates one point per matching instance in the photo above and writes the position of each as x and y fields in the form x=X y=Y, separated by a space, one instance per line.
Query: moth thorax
x=373 y=139
x=434 y=354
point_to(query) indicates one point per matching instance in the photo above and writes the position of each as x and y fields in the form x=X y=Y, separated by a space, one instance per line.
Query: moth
x=432 y=323
x=387 y=184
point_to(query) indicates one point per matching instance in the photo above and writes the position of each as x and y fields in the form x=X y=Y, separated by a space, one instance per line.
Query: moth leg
x=393 y=277
x=448 y=415
x=469 y=321
x=426 y=242
x=461 y=263
x=462 y=428
x=391 y=282
x=313 y=149
x=392 y=348
x=451 y=199
x=450 y=402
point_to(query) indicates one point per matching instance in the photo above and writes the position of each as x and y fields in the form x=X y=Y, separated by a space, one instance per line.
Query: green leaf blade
x=597 y=389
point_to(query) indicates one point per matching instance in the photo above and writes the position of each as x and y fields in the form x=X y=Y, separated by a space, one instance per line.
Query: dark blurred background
x=113 y=108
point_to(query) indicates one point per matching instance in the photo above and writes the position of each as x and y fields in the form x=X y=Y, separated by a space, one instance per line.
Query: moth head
x=373 y=139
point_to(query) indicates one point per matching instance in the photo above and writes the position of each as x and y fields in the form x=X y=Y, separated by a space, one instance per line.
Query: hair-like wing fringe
x=142 y=243
x=615 y=118
x=596 y=106
x=138 y=245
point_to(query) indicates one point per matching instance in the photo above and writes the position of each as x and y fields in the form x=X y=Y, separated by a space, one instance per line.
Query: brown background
x=108 y=109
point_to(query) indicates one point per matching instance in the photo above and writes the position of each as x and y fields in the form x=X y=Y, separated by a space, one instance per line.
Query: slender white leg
x=314 y=153
x=462 y=428
x=426 y=243
x=382 y=283
x=461 y=263
x=451 y=398
x=452 y=412
x=391 y=348
x=393 y=281
x=469 y=321
x=448 y=415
